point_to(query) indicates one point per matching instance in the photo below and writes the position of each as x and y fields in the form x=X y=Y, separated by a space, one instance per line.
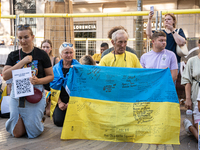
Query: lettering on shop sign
x=85 y=27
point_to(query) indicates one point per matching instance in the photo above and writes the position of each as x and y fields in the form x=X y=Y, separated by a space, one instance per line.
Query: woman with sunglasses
x=173 y=38
x=46 y=45
x=26 y=117
x=59 y=89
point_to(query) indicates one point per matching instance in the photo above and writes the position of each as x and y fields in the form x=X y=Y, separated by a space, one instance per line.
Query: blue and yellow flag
x=122 y=105
x=59 y=81
x=2 y=95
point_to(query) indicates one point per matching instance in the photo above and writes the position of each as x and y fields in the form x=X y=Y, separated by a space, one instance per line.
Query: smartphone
x=152 y=8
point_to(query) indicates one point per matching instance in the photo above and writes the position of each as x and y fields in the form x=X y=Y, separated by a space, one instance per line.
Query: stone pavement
x=50 y=139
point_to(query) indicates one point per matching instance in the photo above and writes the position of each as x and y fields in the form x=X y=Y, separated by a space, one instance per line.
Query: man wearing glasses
x=120 y=57
x=159 y=57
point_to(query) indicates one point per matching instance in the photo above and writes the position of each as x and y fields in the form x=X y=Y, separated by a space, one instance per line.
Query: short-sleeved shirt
x=126 y=59
x=159 y=60
x=40 y=61
x=171 y=43
x=97 y=57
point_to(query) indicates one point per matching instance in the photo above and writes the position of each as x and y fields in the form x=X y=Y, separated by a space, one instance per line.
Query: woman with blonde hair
x=60 y=98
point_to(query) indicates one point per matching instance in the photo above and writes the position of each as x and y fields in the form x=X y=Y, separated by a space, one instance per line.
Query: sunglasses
x=23 y=26
x=67 y=44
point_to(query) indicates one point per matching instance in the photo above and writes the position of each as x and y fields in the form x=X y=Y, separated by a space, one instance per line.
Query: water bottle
x=189 y=114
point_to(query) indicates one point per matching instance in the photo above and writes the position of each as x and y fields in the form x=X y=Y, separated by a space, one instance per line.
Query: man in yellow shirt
x=120 y=57
x=97 y=57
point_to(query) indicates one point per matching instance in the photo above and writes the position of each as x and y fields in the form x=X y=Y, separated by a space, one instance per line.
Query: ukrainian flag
x=122 y=105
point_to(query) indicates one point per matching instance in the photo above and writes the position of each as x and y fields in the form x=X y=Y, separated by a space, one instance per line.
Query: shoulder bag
x=183 y=50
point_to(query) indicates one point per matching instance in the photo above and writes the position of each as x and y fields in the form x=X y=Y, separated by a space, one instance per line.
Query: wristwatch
x=173 y=32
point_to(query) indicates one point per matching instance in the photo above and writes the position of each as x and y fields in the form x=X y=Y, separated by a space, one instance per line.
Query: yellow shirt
x=126 y=59
x=97 y=57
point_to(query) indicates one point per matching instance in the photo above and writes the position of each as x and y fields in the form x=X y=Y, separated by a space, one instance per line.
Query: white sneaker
x=187 y=124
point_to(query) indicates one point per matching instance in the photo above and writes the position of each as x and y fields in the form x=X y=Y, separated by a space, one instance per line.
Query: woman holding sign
x=26 y=116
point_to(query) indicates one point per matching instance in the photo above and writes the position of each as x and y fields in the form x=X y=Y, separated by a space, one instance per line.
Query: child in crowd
x=193 y=129
x=87 y=60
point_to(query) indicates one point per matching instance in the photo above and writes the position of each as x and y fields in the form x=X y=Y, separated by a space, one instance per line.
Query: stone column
x=59 y=30
x=139 y=31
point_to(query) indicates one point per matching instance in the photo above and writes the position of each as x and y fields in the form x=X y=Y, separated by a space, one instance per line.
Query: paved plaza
x=50 y=140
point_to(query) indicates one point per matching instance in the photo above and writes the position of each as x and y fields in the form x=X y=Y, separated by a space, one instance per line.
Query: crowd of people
x=52 y=72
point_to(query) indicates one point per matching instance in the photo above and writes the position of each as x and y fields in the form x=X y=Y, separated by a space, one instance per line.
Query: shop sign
x=85 y=27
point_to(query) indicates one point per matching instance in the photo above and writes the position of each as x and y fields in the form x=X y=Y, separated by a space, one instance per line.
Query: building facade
x=98 y=27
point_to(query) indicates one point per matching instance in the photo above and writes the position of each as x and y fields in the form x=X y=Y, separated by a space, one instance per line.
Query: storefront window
x=84 y=46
